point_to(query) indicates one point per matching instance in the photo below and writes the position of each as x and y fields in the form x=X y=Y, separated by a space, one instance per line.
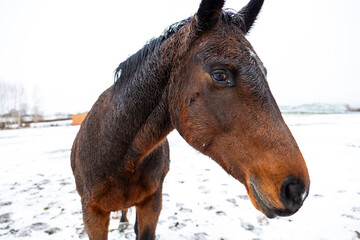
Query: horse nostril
x=292 y=193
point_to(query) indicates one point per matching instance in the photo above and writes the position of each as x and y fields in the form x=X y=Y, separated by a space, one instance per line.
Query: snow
x=38 y=199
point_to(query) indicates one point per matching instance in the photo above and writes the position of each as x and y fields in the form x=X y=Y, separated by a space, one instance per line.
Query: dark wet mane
x=126 y=69
x=130 y=66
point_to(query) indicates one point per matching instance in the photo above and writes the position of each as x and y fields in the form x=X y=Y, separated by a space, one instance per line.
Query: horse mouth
x=268 y=211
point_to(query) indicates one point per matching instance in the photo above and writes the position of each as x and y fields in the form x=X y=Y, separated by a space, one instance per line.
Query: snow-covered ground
x=38 y=199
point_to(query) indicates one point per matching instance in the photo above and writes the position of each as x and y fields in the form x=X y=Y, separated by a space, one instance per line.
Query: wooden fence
x=6 y=121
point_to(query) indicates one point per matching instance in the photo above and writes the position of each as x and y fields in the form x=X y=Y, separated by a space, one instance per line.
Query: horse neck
x=143 y=104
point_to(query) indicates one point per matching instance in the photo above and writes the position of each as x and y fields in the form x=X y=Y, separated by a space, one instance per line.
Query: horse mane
x=127 y=69
x=130 y=66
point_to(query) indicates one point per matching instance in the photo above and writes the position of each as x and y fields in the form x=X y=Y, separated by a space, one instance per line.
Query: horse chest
x=117 y=195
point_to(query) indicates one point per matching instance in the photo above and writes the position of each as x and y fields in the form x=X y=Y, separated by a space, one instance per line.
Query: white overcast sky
x=68 y=49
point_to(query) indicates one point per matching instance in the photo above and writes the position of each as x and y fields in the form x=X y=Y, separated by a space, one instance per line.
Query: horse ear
x=249 y=13
x=208 y=13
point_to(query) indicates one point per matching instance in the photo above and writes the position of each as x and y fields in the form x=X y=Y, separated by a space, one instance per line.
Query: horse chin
x=261 y=204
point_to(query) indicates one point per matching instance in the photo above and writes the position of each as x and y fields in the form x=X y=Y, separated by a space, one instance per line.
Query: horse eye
x=219 y=76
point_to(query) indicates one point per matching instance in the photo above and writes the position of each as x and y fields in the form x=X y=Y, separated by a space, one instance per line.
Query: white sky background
x=68 y=49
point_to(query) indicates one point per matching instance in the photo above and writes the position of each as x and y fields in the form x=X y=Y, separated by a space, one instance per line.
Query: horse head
x=222 y=105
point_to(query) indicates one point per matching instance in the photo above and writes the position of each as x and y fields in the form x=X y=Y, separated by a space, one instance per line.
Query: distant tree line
x=14 y=105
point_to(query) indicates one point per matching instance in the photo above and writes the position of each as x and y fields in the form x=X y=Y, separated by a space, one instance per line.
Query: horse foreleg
x=147 y=215
x=124 y=222
x=96 y=222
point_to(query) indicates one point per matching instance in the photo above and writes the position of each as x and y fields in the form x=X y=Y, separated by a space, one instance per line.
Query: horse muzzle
x=293 y=193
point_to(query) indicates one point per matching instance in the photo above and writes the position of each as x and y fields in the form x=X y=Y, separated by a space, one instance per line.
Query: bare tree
x=12 y=100
x=19 y=102
x=2 y=103
x=36 y=103
x=14 y=103
x=3 y=97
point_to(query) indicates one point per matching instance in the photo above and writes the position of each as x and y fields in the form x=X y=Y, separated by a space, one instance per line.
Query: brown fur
x=120 y=156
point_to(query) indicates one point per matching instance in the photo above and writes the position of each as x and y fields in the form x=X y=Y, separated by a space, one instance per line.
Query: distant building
x=77 y=119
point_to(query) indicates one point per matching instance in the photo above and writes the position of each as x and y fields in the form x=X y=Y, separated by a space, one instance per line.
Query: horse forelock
x=231 y=17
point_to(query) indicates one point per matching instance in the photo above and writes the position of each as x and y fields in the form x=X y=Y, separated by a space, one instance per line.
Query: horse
x=203 y=78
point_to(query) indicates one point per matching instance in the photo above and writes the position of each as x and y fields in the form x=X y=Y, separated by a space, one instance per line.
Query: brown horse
x=203 y=78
